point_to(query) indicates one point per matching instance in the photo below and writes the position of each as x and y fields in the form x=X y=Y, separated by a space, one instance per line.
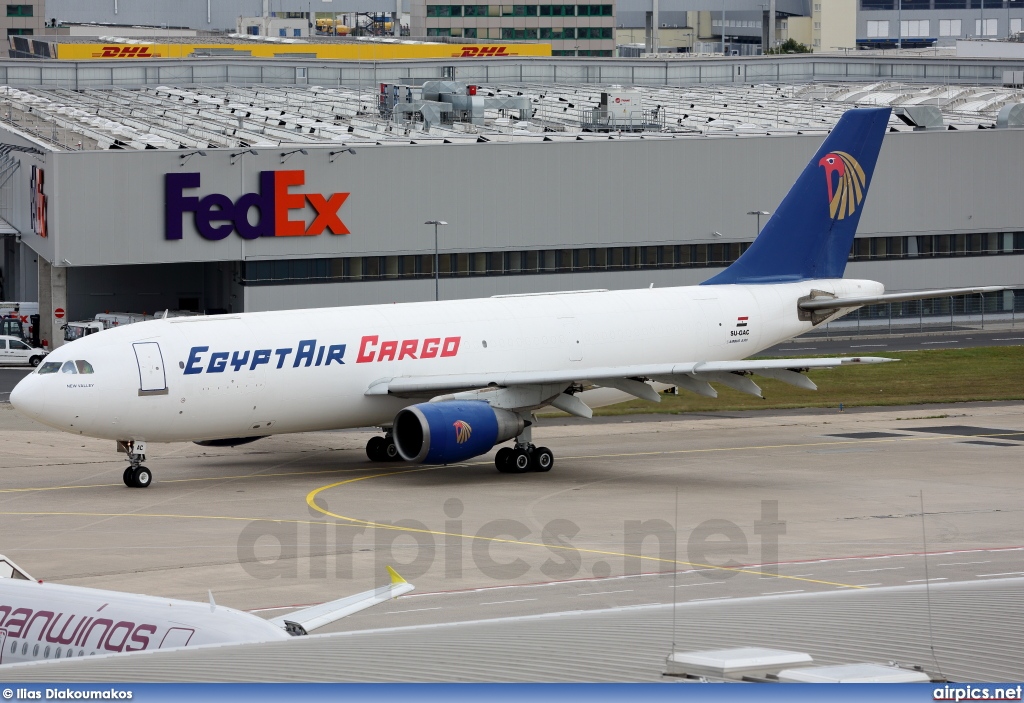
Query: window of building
x=949 y=28
x=469 y=32
x=987 y=29
x=474 y=10
x=18 y=31
x=439 y=31
x=878 y=28
x=19 y=10
x=557 y=10
x=950 y=4
x=1015 y=25
x=524 y=10
x=594 y=10
x=917 y=4
x=563 y=52
x=914 y=28
x=877 y=4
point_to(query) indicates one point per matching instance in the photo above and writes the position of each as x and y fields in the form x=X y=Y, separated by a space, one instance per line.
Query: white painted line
x=863 y=346
x=797 y=348
x=501 y=602
x=779 y=593
x=414 y=610
x=796 y=576
x=1012 y=573
x=697 y=600
x=965 y=563
x=865 y=585
x=601 y=593
x=952 y=341
x=704 y=583
x=884 y=568
x=923 y=580
x=1008 y=339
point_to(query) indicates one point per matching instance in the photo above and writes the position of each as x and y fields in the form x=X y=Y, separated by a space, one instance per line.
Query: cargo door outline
x=3 y=644
x=152 y=374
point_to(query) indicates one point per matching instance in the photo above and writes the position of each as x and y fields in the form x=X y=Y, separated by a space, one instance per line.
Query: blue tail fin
x=811 y=233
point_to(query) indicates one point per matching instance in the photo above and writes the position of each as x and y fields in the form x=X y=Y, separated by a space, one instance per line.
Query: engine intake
x=452 y=430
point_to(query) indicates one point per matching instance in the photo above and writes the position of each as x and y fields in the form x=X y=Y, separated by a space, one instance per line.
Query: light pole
x=437 y=269
x=758 y=213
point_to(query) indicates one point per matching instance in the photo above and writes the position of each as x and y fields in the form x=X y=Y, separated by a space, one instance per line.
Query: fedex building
x=229 y=185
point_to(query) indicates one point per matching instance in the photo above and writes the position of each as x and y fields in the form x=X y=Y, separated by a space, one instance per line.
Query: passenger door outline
x=152 y=374
x=177 y=637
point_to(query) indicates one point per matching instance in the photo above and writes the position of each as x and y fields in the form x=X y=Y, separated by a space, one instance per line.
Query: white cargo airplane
x=448 y=381
x=47 y=622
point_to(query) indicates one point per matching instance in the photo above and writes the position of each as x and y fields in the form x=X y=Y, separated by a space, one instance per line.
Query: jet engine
x=451 y=431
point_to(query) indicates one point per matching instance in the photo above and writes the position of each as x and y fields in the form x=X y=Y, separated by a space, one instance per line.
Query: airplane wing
x=302 y=622
x=824 y=301
x=548 y=386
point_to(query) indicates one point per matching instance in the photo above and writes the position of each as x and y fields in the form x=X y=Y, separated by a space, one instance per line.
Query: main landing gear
x=525 y=456
x=382 y=448
x=136 y=475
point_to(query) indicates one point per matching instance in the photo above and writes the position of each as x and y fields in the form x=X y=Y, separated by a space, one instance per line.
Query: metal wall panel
x=108 y=206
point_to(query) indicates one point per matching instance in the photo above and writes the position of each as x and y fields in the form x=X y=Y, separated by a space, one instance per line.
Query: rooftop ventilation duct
x=1011 y=115
x=921 y=116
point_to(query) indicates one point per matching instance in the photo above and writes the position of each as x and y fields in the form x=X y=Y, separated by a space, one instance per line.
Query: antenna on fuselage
x=213 y=603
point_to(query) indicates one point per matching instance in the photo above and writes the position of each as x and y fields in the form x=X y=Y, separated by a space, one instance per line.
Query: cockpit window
x=83 y=366
x=68 y=367
x=49 y=367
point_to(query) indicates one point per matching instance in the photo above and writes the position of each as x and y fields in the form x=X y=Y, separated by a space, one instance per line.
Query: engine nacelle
x=451 y=431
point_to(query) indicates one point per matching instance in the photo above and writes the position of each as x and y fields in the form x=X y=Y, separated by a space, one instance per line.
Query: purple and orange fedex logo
x=216 y=216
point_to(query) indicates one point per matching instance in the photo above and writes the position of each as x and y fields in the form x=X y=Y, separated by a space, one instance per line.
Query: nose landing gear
x=136 y=475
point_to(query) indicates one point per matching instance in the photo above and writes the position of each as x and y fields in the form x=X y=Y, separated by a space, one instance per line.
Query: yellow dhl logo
x=125 y=52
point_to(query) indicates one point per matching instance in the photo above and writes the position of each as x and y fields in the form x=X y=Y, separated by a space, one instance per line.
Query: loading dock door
x=152 y=376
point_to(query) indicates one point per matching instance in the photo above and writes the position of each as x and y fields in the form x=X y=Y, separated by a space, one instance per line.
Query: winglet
x=395 y=577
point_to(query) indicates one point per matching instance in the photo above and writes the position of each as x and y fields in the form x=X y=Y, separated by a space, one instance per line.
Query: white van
x=15 y=351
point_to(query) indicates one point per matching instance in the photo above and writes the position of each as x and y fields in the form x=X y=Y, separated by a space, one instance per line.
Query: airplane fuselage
x=46 y=621
x=257 y=374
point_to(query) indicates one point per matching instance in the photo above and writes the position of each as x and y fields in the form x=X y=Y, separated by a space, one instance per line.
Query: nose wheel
x=136 y=475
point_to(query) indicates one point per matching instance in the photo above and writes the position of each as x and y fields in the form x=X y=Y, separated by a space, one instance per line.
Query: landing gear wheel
x=543 y=459
x=127 y=477
x=141 y=477
x=375 y=449
x=390 y=451
x=503 y=460
x=519 y=462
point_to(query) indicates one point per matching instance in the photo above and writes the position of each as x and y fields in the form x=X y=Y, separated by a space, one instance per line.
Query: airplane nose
x=27 y=400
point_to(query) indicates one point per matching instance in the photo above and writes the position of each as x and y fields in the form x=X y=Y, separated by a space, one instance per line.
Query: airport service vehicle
x=16 y=319
x=46 y=621
x=105 y=320
x=15 y=351
x=448 y=381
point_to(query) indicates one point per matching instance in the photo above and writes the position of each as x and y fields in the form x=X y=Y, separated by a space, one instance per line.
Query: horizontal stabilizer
x=825 y=303
x=309 y=619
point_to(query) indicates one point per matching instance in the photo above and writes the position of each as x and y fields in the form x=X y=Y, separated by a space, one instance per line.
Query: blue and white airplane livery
x=447 y=381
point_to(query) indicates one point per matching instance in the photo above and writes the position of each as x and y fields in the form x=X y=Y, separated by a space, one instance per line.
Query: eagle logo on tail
x=845 y=194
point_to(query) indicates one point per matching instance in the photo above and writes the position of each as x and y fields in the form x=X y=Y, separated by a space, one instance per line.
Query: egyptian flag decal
x=741 y=321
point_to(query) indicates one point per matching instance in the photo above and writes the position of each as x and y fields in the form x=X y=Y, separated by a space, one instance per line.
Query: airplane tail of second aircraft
x=811 y=232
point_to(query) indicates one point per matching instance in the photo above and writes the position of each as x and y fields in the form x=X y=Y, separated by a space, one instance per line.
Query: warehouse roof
x=232 y=116
x=968 y=631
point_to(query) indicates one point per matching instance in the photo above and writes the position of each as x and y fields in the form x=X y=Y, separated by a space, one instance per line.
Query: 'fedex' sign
x=216 y=216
